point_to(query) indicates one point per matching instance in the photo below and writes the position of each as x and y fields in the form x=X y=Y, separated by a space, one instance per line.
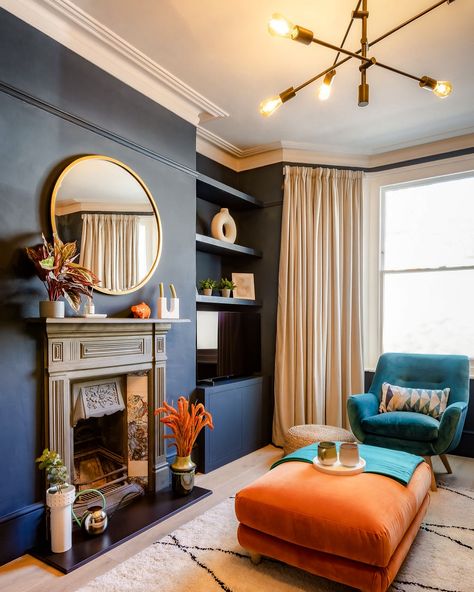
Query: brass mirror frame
x=57 y=187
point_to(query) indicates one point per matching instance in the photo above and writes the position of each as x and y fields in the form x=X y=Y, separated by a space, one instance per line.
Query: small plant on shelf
x=207 y=286
x=225 y=286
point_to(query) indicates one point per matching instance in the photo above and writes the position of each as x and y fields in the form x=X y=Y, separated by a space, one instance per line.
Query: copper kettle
x=94 y=520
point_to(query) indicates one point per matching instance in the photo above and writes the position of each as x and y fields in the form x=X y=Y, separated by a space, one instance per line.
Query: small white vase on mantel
x=53 y=309
x=60 y=517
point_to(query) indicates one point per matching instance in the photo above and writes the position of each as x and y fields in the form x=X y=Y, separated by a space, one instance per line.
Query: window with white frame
x=427 y=266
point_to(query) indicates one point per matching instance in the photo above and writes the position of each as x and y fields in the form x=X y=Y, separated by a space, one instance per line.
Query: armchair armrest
x=450 y=427
x=358 y=408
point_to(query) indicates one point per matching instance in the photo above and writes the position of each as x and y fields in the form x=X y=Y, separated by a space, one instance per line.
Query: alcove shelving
x=220 y=300
x=223 y=195
x=240 y=404
x=218 y=194
x=207 y=244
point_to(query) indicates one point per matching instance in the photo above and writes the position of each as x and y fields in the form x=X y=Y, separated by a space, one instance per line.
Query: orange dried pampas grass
x=185 y=422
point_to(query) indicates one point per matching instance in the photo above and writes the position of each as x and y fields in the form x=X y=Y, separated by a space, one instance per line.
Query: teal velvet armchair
x=405 y=430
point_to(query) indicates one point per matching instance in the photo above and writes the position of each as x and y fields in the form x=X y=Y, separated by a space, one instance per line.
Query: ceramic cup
x=327 y=453
x=349 y=454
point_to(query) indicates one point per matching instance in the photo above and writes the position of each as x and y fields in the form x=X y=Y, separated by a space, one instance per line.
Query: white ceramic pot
x=223 y=226
x=60 y=508
x=51 y=309
x=225 y=292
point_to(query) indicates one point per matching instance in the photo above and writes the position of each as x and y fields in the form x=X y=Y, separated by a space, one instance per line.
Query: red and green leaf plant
x=56 y=267
x=185 y=423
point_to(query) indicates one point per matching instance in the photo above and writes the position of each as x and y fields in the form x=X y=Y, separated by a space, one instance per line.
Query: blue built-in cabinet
x=241 y=409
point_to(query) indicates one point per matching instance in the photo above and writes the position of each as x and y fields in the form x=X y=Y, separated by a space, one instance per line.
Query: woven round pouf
x=302 y=435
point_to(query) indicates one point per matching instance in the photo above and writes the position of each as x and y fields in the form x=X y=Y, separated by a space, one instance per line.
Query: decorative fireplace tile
x=137 y=420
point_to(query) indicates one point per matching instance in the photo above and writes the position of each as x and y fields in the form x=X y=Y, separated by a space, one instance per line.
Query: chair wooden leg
x=255 y=558
x=433 y=480
x=445 y=461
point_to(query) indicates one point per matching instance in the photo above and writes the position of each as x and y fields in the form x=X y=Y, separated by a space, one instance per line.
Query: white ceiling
x=222 y=50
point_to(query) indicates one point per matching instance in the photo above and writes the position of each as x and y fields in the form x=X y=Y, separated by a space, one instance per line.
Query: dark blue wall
x=55 y=106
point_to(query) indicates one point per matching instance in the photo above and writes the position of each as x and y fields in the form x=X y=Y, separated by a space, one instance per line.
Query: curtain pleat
x=109 y=247
x=319 y=359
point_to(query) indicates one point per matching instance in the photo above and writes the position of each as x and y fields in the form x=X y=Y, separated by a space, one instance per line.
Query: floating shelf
x=219 y=301
x=224 y=195
x=218 y=247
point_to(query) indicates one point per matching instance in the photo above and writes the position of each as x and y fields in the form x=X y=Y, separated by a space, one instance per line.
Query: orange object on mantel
x=141 y=311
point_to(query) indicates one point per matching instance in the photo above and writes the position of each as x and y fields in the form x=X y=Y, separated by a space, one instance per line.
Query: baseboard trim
x=20 y=531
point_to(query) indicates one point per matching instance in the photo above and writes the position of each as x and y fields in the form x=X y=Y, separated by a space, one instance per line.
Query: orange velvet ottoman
x=356 y=530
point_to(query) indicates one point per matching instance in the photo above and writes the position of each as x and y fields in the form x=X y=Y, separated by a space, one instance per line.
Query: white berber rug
x=204 y=556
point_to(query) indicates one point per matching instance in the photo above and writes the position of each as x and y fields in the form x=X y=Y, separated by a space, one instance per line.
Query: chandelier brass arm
x=279 y=26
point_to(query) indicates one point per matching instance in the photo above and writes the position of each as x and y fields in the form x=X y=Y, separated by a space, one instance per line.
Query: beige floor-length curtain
x=109 y=247
x=319 y=325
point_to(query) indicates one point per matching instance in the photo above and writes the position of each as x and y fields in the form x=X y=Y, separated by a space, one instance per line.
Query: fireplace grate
x=98 y=467
x=104 y=470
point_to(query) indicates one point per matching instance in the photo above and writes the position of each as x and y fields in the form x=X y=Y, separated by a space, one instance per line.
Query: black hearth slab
x=123 y=525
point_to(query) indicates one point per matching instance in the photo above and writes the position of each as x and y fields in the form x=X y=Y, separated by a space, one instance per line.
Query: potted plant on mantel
x=56 y=268
x=225 y=286
x=59 y=499
x=185 y=423
x=207 y=286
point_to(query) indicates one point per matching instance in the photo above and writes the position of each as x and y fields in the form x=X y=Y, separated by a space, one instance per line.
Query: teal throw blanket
x=383 y=461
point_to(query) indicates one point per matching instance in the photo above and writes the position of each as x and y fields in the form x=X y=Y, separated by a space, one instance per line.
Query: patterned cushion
x=419 y=400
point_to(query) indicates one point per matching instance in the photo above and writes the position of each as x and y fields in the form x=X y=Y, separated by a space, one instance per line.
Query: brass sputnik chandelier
x=281 y=27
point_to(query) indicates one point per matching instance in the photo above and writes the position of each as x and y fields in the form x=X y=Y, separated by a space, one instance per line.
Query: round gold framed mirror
x=106 y=207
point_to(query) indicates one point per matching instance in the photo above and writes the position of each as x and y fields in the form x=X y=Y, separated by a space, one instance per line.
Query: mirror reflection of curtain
x=109 y=247
x=148 y=244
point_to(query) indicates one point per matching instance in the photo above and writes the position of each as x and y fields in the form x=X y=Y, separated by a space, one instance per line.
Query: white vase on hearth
x=60 y=517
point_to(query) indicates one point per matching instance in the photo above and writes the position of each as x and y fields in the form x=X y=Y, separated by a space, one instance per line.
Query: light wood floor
x=27 y=574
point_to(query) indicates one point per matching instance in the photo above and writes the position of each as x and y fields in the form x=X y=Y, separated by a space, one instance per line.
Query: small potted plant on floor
x=56 y=267
x=207 y=286
x=59 y=499
x=225 y=286
x=185 y=423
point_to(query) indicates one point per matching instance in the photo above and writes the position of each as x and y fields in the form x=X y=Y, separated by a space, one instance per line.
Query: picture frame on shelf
x=245 y=286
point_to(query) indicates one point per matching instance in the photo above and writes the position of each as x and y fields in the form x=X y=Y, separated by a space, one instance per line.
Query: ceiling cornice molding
x=75 y=29
x=210 y=145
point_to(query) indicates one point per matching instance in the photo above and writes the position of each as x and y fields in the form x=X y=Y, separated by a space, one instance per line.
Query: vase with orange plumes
x=182 y=475
x=185 y=422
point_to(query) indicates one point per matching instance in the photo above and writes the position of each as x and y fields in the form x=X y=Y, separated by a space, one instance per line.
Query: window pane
x=429 y=225
x=430 y=312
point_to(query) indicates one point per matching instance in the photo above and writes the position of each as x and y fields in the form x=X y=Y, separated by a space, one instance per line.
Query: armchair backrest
x=428 y=371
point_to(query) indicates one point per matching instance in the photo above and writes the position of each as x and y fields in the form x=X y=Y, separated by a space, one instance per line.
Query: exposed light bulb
x=269 y=106
x=443 y=89
x=325 y=88
x=279 y=26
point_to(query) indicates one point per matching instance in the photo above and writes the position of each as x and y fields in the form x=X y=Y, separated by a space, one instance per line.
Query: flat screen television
x=228 y=345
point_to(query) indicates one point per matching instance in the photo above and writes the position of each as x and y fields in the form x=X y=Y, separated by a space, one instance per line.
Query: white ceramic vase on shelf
x=223 y=226
x=60 y=517
x=51 y=309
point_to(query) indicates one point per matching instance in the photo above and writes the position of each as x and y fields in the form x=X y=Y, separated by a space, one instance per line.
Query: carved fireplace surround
x=77 y=350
